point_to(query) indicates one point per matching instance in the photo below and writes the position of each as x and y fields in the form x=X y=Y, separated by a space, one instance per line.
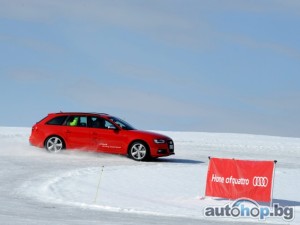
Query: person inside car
x=73 y=122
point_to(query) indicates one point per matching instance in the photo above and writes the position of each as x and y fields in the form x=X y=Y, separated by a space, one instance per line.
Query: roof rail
x=83 y=113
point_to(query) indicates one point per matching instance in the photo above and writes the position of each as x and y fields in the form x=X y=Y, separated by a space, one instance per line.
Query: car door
x=105 y=136
x=77 y=132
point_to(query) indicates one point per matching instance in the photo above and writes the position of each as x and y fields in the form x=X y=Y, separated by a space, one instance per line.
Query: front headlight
x=159 y=141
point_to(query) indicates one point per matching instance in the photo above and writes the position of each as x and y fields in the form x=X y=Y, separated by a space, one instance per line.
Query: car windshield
x=124 y=125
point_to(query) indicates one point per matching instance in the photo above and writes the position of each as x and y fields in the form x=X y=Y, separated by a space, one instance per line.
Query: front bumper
x=164 y=149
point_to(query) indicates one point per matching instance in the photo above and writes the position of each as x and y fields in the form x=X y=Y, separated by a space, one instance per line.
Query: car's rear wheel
x=54 y=144
x=138 y=151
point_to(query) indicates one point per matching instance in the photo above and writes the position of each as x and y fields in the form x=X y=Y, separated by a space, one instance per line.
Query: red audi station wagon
x=98 y=132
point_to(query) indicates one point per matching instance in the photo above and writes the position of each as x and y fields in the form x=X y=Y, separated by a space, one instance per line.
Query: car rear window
x=57 y=120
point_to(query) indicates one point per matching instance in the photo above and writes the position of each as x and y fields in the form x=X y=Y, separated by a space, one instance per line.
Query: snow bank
x=170 y=186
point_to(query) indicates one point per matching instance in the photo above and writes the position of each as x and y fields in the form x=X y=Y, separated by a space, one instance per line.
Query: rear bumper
x=35 y=142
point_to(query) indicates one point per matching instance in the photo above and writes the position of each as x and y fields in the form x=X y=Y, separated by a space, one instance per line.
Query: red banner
x=233 y=179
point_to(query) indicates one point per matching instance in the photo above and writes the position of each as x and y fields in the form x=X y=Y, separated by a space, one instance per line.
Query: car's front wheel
x=138 y=151
x=54 y=144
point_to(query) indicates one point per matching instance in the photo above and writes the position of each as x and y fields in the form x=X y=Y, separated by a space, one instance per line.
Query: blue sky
x=182 y=65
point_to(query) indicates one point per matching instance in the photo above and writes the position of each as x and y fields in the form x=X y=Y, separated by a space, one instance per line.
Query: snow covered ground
x=42 y=188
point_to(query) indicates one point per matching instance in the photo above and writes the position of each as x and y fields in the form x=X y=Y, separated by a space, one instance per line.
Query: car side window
x=57 y=120
x=77 y=121
x=109 y=125
x=82 y=121
x=97 y=122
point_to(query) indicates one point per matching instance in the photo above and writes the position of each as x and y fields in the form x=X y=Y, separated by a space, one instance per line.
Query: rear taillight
x=34 y=128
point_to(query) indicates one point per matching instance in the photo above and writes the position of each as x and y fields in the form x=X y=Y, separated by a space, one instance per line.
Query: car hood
x=150 y=133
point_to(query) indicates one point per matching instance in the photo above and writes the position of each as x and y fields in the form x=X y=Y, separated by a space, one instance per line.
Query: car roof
x=80 y=113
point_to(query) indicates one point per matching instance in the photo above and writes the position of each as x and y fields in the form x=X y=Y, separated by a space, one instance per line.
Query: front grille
x=171 y=146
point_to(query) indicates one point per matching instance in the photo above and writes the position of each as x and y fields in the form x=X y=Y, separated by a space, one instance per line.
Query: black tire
x=138 y=151
x=54 y=144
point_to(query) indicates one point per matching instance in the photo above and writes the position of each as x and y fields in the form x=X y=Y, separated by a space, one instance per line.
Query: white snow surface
x=75 y=187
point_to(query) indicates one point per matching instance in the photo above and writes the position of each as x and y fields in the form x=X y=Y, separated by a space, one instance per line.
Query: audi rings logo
x=260 y=181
